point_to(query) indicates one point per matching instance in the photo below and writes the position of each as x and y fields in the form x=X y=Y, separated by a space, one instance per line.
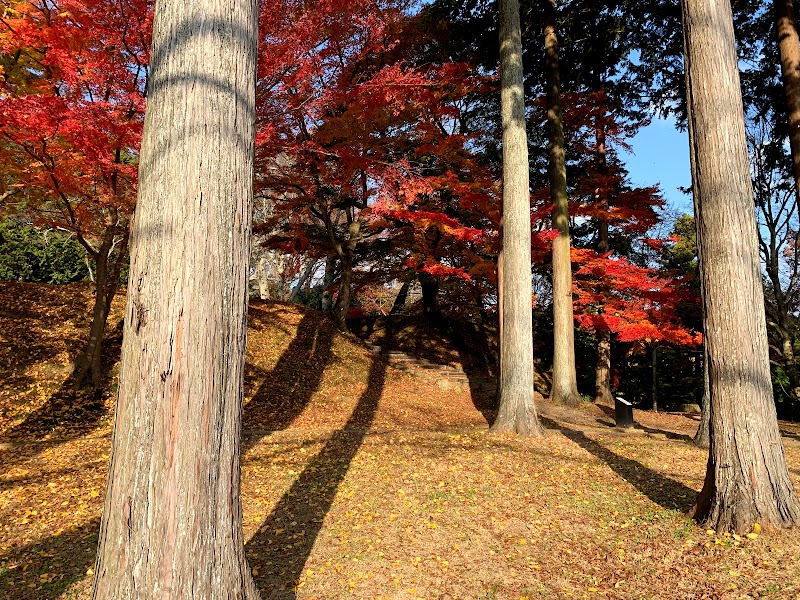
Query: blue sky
x=661 y=155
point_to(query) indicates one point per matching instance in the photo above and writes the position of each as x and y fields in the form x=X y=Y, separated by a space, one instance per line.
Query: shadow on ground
x=285 y=391
x=664 y=491
x=283 y=543
x=45 y=569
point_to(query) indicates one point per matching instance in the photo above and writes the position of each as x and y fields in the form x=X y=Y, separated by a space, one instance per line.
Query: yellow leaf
x=752 y=536
x=733 y=573
x=756 y=528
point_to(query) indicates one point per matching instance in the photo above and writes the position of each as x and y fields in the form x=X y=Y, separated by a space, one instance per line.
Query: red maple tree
x=72 y=105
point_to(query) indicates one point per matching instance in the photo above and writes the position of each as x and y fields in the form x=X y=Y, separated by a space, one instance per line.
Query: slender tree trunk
x=89 y=368
x=342 y=305
x=310 y=269
x=702 y=437
x=747 y=480
x=400 y=301
x=565 y=381
x=327 y=283
x=654 y=378
x=789 y=48
x=172 y=522
x=602 y=371
x=517 y=412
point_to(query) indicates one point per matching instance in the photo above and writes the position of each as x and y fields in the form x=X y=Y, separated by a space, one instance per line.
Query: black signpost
x=623 y=412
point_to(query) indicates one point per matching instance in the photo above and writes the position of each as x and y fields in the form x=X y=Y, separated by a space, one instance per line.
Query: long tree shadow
x=283 y=543
x=45 y=569
x=70 y=412
x=285 y=391
x=663 y=490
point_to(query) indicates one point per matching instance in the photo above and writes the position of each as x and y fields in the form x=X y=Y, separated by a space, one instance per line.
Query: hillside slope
x=301 y=372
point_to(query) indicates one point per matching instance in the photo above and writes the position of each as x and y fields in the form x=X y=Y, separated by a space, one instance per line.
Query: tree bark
x=89 y=367
x=789 y=49
x=172 y=521
x=327 y=282
x=343 y=299
x=747 y=480
x=565 y=381
x=702 y=437
x=517 y=412
x=602 y=371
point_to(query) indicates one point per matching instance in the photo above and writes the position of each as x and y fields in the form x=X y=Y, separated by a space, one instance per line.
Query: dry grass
x=360 y=481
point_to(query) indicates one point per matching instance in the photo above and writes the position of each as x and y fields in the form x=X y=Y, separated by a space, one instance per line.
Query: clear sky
x=661 y=155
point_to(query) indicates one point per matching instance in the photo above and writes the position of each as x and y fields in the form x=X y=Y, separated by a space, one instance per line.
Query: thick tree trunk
x=565 y=381
x=327 y=283
x=172 y=522
x=602 y=371
x=789 y=48
x=342 y=305
x=517 y=412
x=747 y=480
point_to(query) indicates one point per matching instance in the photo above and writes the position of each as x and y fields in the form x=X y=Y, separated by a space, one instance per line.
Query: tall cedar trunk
x=517 y=412
x=747 y=480
x=565 y=381
x=789 y=48
x=327 y=282
x=781 y=325
x=172 y=522
x=89 y=367
x=342 y=305
x=602 y=370
x=702 y=436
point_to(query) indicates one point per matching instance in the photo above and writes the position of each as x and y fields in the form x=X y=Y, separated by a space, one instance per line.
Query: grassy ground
x=360 y=481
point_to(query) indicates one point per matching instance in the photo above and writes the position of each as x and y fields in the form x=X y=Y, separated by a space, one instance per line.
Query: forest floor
x=362 y=481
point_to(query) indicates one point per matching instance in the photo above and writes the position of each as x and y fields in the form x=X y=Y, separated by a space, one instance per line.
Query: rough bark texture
x=565 y=381
x=172 y=522
x=702 y=436
x=342 y=304
x=602 y=370
x=747 y=480
x=517 y=412
x=789 y=48
x=327 y=282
